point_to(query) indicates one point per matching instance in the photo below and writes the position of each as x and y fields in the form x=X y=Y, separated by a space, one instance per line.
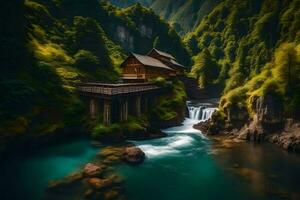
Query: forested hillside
x=183 y=15
x=127 y=3
x=251 y=49
x=48 y=46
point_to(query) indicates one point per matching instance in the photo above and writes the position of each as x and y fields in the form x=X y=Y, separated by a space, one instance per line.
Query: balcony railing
x=116 y=89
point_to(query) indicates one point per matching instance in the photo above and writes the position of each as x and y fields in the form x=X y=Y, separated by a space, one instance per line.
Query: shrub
x=159 y=81
x=168 y=104
x=101 y=130
x=86 y=60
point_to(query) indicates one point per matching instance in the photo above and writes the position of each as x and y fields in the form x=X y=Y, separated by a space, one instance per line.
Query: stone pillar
x=138 y=106
x=94 y=108
x=107 y=112
x=123 y=109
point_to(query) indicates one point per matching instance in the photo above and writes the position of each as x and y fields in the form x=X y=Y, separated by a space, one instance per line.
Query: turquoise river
x=186 y=165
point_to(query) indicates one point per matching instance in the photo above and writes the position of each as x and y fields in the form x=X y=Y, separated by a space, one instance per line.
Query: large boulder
x=269 y=110
x=111 y=155
x=92 y=170
x=133 y=155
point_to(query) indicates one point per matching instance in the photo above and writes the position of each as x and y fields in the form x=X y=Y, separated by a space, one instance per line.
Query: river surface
x=186 y=165
x=26 y=175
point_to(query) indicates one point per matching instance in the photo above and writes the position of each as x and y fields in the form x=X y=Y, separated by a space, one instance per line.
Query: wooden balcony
x=116 y=89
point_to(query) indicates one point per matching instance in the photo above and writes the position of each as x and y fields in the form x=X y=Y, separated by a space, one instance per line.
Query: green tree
x=88 y=35
x=86 y=60
x=205 y=69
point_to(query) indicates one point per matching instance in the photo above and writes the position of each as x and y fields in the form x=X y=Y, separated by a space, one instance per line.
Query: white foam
x=182 y=141
x=187 y=127
x=157 y=151
x=178 y=137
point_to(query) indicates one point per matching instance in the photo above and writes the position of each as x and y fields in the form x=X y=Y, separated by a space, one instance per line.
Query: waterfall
x=195 y=112
x=200 y=112
x=207 y=113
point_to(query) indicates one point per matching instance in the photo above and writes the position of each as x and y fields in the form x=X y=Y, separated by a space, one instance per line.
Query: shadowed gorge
x=149 y=99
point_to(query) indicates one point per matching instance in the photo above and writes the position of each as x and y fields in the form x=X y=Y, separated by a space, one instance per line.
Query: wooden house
x=140 y=68
x=168 y=60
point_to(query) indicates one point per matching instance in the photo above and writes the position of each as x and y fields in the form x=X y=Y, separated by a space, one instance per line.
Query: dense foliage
x=182 y=14
x=48 y=46
x=126 y=3
x=256 y=46
x=170 y=105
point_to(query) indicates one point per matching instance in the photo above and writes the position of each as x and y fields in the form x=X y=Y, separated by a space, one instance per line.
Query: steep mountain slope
x=126 y=3
x=254 y=48
x=183 y=14
x=48 y=46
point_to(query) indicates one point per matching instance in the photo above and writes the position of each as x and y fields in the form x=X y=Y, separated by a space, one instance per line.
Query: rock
x=92 y=170
x=236 y=114
x=244 y=134
x=288 y=139
x=111 y=151
x=66 y=183
x=256 y=131
x=203 y=126
x=112 y=194
x=102 y=183
x=111 y=155
x=133 y=155
x=98 y=183
x=112 y=159
x=74 y=177
x=116 y=179
x=269 y=110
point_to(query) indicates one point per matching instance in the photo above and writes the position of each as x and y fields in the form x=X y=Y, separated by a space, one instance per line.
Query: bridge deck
x=116 y=89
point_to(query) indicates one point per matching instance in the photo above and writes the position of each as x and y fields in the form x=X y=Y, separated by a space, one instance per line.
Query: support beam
x=123 y=109
x=94 y=111
x=138 y=111
x=107 y=112
x=145 y=105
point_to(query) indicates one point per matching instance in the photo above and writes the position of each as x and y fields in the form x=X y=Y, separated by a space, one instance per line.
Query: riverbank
x=189 y=165
x=286 y=137
x=183 y=165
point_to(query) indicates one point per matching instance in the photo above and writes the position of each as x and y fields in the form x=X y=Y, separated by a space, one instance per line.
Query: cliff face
x=184 y=15
x=267 y=123
x=253 y=46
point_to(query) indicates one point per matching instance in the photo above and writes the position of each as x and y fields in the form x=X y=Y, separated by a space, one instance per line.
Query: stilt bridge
x=117 y=101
